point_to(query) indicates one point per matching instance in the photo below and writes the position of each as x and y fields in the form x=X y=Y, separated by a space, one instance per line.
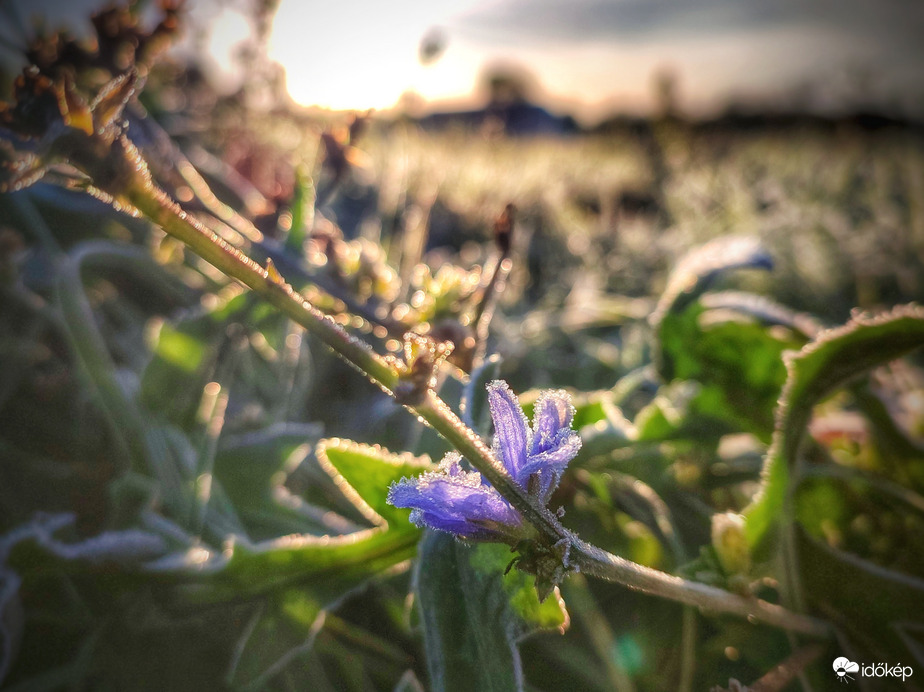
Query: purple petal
x=551 y=463
x=511 y=433
x=556 y=458
x=454 y=500
x=553 y=413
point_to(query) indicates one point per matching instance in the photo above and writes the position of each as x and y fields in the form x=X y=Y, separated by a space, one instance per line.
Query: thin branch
x=591 y=560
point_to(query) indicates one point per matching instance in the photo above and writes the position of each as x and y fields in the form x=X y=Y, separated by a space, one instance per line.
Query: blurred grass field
x=603 y=217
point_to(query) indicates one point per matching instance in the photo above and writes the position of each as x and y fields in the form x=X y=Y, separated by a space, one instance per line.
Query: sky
x=587 y=56
x=593 y=56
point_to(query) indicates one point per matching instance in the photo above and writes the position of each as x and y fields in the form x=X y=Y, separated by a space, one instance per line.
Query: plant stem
x=154 y=204
x=591 y=560
x=687 y=650
x=145 y=197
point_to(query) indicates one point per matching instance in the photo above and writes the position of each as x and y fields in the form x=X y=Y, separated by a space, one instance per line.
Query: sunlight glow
x=228 y=31
x=361 y=54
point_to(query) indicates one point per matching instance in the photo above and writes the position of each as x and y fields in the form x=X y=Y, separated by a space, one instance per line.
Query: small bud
x=109 y=104
x=74 y=110
x=503 y=229
x=272 y=274
x=462 y=339
x=417 y=374
x=730 y=543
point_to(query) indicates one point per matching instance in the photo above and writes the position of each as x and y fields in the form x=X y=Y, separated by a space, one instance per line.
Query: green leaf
x=474 y=403
x=730 y=341
x=700 y=268
x=179 y=368
x=320 y=569
x=688 y=410
x=90 y=349
x=252 y=468
x=735 y=353
x=763 y=310
x=835 y=358
x=277 y=636
x=473 y=615
x=302 y=212
x=364 y=473
x=183 y=361
x=870 y=603
x=327 y=567
x=611 y=432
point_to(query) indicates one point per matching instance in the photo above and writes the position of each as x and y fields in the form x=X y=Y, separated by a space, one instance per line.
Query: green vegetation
x=192 y=487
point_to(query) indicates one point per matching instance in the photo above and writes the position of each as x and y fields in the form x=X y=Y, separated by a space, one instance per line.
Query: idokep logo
x=845 y=670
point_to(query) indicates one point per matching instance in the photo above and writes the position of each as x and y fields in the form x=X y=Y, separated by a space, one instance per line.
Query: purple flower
x=465 y=504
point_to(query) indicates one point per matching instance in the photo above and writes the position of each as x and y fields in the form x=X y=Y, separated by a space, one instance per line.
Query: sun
x=359 y=55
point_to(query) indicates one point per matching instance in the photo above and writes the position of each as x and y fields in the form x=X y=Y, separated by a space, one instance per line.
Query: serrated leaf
x=473 y=615
x=835 y=358
x=326 y=566
x=33 y=551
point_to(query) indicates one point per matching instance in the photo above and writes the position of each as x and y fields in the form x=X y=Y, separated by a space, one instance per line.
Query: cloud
x=849 y=51
x=642 y=20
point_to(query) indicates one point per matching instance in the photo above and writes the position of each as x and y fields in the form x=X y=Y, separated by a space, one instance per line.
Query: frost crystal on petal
x=512 y=433
x=553 y=414
x=452 y=499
